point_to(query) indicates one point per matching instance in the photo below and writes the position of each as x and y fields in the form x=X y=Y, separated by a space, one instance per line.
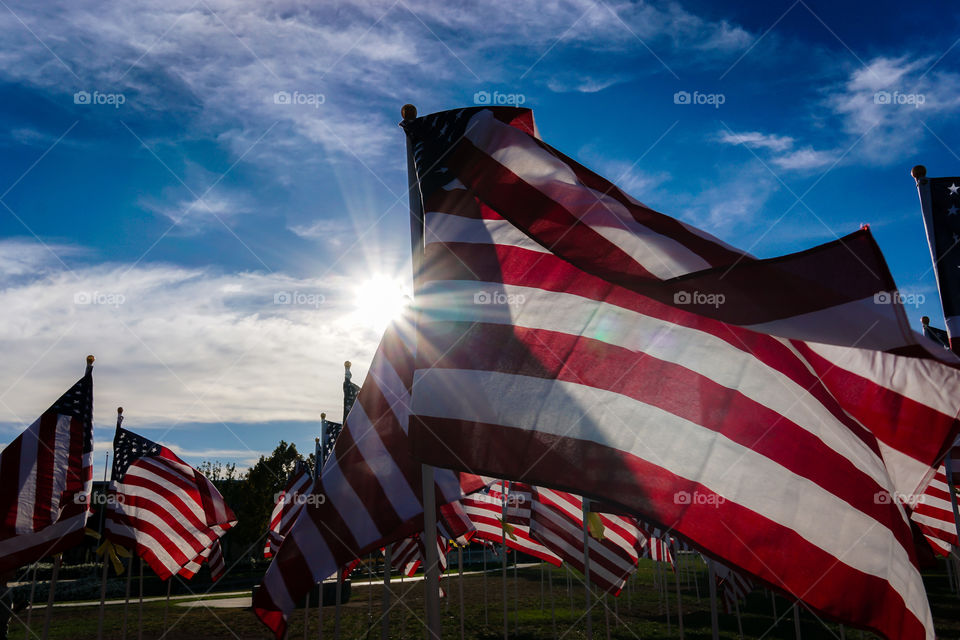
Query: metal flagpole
x=553 y=606
x=431 y=571
x=516 y=595
x=370 y=589
x=796 y=620
x=140 y=606
x=106 y=559
x=317 y=467
x=736 y=608
x=486 y=613
x=306 y=616
x=385 y=599
x=676 y=575
x=33 y=589
x=586 y=566
x=336 y=609
x=320 y=612
x=714 y=613
x=460 y=585
x=53 y=583
x=503 y=533
x=166 y=606
x=126 y=602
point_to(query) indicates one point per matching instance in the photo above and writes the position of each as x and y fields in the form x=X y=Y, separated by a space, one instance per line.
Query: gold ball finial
x=346 y=365
x=408 y=112
x=919 y=172
x=316 y=440
x=119 y=411
x=323 y=416
x=90 y=359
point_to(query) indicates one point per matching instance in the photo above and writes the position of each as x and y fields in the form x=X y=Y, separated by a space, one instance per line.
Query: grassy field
x=638 y=613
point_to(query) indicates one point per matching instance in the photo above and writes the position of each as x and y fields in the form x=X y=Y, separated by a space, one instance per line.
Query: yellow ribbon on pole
x=507 y=528
x=113 y=551
x=595 y=525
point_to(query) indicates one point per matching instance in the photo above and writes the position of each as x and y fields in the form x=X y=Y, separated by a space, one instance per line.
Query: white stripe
x=661 y=255
x=45 y=537
x=443 y=227
x=348 y=504
x=597 y=548
x=383 y=465
x=275 y=586
x=146 y=469
x=392 y=388
x=572 y=411
x=61 y=464
x=314 y=548
x=27 y=489
x=146 y=540
x=596 y=569
x=698 y=351
x=152 y=516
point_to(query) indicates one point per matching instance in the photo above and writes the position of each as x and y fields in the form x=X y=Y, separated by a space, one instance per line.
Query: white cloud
x=756 y=140
x=803 y=159
x=177 y=345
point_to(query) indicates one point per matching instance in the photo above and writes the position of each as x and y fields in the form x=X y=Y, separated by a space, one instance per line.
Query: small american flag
x=46 y=475
x=940 y=204
x=162 y=507
x=289 y=504
x=486 y=510
x=558 y=523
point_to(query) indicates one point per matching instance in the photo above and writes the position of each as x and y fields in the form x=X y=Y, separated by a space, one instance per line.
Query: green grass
x=637 y=615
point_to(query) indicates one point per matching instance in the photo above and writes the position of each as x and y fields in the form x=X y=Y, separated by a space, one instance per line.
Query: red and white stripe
x=558 y=523
x=289 y=504
x=588 y=364
x=371 y=482
x=486 y=511
x=213 y=556
x=934 y=514
x=655 y=545
x=46 y=476
x=167 y=511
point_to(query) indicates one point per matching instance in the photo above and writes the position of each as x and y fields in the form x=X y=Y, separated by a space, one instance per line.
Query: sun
x=380 y=299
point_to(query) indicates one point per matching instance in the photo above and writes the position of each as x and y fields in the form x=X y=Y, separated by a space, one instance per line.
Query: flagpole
x=106 y=553
x=714 y=613
x=33 y=589
x=586 y=566
x=503 y=533
x=126 y=601
x=385 y=600
x=140 y=606
x=53 y=582
x=676 y=574
x=431 y=572
x=460 y=585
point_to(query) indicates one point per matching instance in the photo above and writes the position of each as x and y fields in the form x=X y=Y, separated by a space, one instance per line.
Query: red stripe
x=825 y=583
x=9 y=485
x=47 y=441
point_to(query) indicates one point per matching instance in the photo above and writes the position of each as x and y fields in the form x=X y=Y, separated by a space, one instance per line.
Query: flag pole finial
x=119 y=411
x=925 y=320
x=919 y=172
x=90 y=360
x=323 y=416
x=408 y=112
x=346 y=365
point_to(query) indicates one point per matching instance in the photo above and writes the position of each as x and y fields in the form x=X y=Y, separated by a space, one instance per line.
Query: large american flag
x=558 y=523
x=372 y=486
x=46 y=475
x=166 y=510
x=598 y=335
x=289 y=504
x=940 y=205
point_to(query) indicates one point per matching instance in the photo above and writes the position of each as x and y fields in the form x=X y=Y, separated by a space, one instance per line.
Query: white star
x=953 y=189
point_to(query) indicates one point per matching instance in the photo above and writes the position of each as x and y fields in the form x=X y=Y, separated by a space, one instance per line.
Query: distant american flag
x=288 y=506
x=166 y=510
x=486 y=510
x=46 y=476
x=940 y=204
x=558 y=523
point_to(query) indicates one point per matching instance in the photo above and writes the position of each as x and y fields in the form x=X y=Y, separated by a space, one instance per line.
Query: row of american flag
x=580 y=346
x=565 y=336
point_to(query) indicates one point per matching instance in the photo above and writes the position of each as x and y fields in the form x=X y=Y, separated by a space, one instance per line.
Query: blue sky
x=157 y=192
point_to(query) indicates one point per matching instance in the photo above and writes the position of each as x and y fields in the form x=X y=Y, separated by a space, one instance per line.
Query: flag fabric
x=46 y=476
x=371 y=483
x=934 y=514
x=733 y=587
x=655 y=545
x=936 y=334
x=598 y=335
x=940 y=206
x=558 y=523
x=329 y=432
x=213 y=556
x=289 y=503
x=486 y=510
x=162 y=507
